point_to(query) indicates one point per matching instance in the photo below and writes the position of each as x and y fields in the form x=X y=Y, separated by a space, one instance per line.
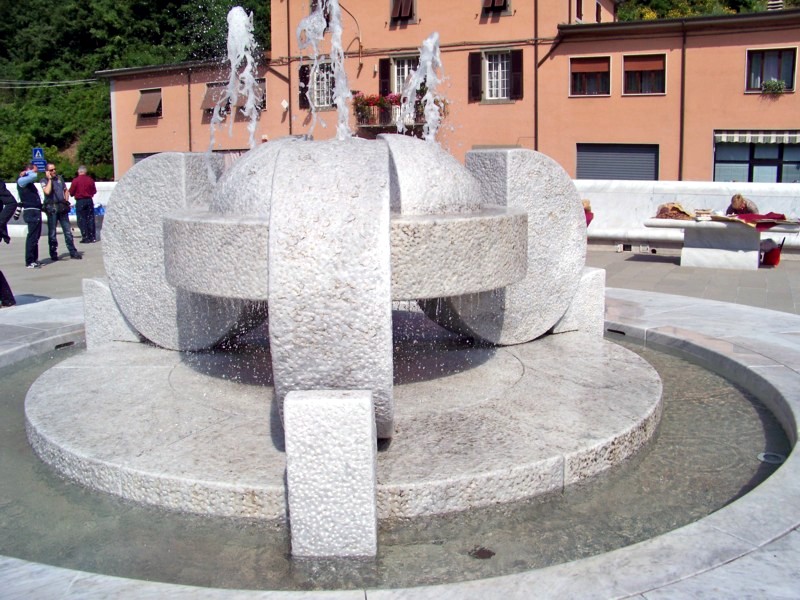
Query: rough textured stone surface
x=556 y=250
x=427 y=180
x=431 y=255
x=246 y=188
x=586 y=313
x=329 y=272
x=104 y=321
x=219 y=255
x=476 y=426
x=133 y=253
x=331 y=455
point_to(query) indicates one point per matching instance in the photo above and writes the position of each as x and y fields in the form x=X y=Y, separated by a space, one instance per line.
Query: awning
x=149 y=102
x=261 y=93
x=214 y=93
x=757 y=137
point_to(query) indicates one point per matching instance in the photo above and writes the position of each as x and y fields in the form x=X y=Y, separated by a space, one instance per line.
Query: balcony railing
x=385 y=116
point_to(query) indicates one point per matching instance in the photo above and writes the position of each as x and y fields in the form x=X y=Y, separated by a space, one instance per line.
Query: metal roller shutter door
x=618 y=161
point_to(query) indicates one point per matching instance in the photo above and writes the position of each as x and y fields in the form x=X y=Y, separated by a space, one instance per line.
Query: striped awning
x=758 y=137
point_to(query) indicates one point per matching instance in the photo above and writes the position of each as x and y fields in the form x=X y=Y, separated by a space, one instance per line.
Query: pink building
x=706 y=98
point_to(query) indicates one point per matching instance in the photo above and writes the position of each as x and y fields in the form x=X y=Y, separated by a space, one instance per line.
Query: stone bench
x=720 y=244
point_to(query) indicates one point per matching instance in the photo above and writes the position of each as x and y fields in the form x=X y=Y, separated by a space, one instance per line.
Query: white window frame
x=401 y=65
x=322 y=84
x=497 y=74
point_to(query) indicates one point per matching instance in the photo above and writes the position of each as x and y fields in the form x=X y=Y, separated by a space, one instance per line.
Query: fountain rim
x=730 y=534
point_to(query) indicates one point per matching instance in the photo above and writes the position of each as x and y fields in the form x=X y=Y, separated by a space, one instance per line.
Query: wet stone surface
x=704 y=456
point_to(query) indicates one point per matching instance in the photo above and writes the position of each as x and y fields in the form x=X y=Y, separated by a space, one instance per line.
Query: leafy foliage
x=633 y=10
x=71 y=40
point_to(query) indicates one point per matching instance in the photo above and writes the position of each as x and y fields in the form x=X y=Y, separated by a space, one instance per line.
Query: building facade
x=706 y=98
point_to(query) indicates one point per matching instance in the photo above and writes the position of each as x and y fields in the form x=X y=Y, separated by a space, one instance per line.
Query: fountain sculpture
x=319 y=239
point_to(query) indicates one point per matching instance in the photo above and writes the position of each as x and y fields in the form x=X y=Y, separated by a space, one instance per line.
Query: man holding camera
x=31 y=204
x=56 y=206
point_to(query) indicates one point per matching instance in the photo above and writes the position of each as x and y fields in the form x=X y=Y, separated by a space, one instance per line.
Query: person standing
x=31 y=213
x=8 y=204
x=83 y=190
x=56 y=206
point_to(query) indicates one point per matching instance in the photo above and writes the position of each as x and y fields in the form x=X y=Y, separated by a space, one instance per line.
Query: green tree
x=67 y=41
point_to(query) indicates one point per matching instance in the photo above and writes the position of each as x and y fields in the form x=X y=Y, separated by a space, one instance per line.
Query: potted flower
x=773 y=86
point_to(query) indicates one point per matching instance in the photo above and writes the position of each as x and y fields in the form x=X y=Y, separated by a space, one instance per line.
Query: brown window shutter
x=488 y=3
x=516 y=75
x=305 y=78
x=590 y=65
x=396 y=8
x=474 y=77
x=149 y=102
x=644 y=63
x=408 y=9
x=384 y=76
x=499 y=3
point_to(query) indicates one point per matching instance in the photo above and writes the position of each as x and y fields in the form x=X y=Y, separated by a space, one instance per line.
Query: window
x=217 y=91
x=495 y=76
x=495 y=6
x=149 y=105
x=214 y=93
x=326 y=14
x=644 y=74
x=579 y=10
x=316 y=92
x=590 y=76
x=393 y=73
x=598 y=12
x=759 y=162
x=766 y=65
x=402 y=11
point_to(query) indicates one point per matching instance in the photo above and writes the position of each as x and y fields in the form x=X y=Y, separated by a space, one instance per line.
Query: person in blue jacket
x=31 y=203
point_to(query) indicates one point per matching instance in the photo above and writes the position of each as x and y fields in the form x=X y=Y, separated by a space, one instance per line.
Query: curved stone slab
x=246 y=187
x=220 y=255
x=329 y=272
x=432 y=255
x=133 y=253
x=527 y=309
x=427 y=180
x=484 y=428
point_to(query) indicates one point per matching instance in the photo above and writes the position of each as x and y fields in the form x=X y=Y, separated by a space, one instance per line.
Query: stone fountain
x=504 y=390
x=252 y=360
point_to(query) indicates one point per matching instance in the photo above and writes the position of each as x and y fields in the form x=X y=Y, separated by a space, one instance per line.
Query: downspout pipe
x=189 y=105
x=289 y=62
x=682 y=126
x=536 y=75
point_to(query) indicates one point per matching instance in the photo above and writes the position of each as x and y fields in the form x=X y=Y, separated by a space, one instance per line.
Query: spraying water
x=430 y=62
x=310 y=34
x=242 y=80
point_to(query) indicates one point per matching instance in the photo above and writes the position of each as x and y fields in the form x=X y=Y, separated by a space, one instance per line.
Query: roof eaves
x=786 y=17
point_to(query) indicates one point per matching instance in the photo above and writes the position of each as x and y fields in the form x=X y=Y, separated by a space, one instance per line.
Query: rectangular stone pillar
x=331 y=464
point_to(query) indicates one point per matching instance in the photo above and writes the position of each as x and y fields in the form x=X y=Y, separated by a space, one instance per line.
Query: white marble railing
x=621 y=207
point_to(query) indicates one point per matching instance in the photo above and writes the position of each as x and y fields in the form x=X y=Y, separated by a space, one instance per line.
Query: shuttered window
x=645 y=74
x=495 y=76
x=402 y=10
x=316 y=91
x=149 y=104
x=617 y=161
x=590 y=76
x=494 y=6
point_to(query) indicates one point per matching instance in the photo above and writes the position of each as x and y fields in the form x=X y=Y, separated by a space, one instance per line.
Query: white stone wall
x=621 y=207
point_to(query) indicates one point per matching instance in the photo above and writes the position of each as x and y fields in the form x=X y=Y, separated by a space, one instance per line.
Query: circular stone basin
x=474 y=425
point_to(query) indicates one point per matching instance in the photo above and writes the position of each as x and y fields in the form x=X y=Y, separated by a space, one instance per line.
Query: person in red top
x=83 y=190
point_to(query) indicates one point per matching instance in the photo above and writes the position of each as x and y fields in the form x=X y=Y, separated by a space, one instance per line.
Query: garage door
x=618 y=161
